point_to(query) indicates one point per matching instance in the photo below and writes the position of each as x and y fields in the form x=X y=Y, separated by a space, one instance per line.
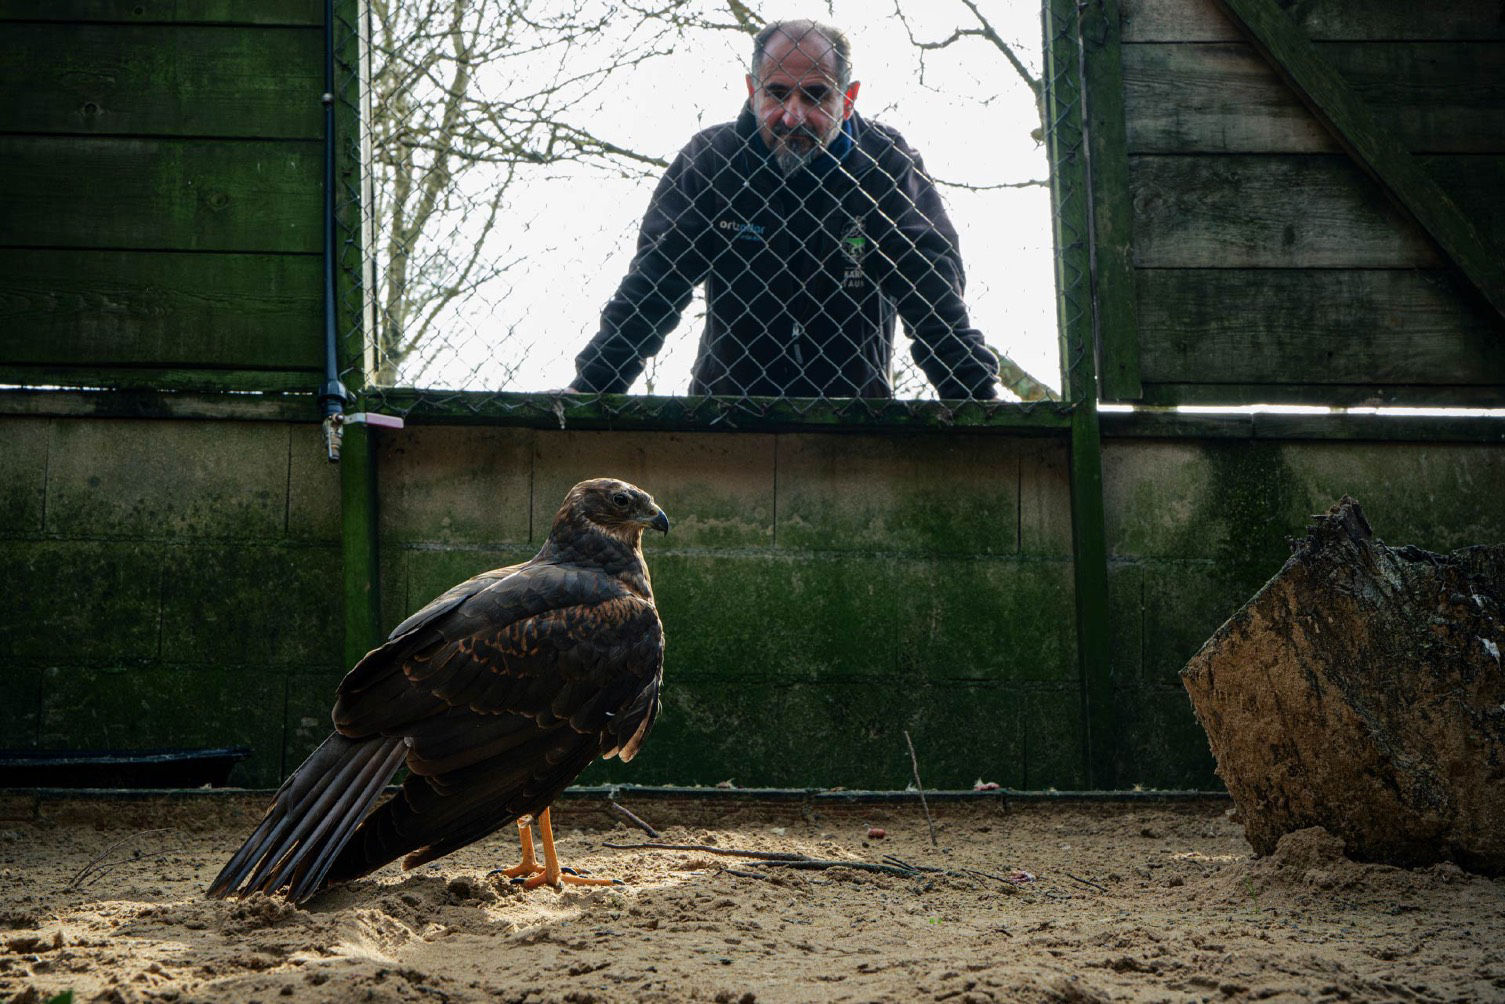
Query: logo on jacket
x=854 y=242
x=744 y=231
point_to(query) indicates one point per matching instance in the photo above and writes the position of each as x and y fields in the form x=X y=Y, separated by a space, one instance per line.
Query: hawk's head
x=613 y=507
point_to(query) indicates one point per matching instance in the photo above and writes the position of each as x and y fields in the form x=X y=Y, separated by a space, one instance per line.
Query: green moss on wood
x=786 y=618
x=168 y=479
x=23 y=473
x=899 y=493
x=1052 y=724
x=143 y=708
x=1161 y=745
x=275 y=605
x=717 y=489
x=828 y=734
x=466 y=487
x=985 y=620
x=80 y=600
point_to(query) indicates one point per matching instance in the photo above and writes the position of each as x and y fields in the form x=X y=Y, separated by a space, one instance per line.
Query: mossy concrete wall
x=821 y=594
x=166 y=584
x=177 y=583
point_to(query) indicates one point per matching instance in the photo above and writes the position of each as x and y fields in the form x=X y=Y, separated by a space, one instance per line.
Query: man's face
x=798 y=103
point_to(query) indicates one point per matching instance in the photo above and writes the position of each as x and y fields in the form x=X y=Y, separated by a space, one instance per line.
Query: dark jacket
x=803 y=276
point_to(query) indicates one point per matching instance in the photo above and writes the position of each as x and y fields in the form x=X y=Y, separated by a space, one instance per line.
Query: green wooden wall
x=161 y=206
x=1268 y=266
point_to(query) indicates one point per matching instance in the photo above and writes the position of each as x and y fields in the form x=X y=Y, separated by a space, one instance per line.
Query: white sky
x=570 y=230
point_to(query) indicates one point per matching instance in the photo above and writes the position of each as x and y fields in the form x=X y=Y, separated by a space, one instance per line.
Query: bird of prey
x=495 y=696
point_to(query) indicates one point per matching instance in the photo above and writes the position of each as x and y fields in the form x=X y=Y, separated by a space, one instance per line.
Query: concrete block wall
x=178 y=583
x=167 y=583
x=822 y=594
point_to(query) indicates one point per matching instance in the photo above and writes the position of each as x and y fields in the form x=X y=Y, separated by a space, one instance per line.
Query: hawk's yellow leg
x=529 y=865
x=551 y=873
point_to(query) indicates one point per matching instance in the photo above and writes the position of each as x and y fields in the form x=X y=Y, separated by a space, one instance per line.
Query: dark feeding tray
x=156 y=768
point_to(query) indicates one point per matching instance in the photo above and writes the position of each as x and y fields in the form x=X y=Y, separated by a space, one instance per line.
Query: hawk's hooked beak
x=660 y=522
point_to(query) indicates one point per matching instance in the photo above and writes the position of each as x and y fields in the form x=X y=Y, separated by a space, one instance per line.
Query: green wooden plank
x=624 y=411
x=159 y=404
x=99 y=308
x=1316 y=326
x=118 y=378
x=1334 y=395
x=1113 y=213
x=1225 y=98
x=353 y=197
x=171 y=195
x=1375 y=148
x=1292 y=211
x=157 y=80
x=1386 y=429
x=1201 y=21
x=1090 y=560
x=362 y=579
x=1070 y=194
x=1213 y=98
x=307 y=13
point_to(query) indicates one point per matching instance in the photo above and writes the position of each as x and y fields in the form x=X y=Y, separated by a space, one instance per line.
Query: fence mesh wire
x=561 y=194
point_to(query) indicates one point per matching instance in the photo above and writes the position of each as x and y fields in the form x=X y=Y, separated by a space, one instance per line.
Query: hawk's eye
x=620 y=500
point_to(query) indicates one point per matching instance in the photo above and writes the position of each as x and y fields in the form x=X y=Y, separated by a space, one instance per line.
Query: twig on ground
x=742 y=874
x=790 y=859
x=93 y=870
x=962 y=873
x=816 y=864
x=914 y=762
x=631 y=817
x=709 y=849
x=1085 y=881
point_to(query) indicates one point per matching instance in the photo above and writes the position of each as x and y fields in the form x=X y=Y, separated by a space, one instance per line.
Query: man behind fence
x=811 y=227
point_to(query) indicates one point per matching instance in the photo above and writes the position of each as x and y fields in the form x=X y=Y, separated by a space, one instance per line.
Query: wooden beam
x=359 y=541
x=1089 y=544
x=1332 y=326
x=1112 y=210
x=359 y=489
x=711 y=414
x=1294 y=211
x=1374 y=148
x=1071 y=194
x=156 y=379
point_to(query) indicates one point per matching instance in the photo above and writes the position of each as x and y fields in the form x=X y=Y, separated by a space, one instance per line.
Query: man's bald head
x=826 y=39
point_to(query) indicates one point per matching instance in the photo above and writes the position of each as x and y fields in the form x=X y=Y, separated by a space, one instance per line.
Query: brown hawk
x=495 y=696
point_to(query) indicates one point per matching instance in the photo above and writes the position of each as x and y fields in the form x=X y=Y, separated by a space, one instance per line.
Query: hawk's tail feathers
x=310 y=820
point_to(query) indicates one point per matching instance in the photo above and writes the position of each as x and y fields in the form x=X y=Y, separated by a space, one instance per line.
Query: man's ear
x=849 y=99
x=750 y=87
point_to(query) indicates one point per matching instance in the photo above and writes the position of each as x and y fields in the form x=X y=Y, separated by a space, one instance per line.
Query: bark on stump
x=1361 y=690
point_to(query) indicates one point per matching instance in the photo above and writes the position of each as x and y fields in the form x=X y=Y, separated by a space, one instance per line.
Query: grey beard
x=790 y=162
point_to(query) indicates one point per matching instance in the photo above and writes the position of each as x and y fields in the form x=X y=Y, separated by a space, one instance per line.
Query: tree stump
x=1361 y=690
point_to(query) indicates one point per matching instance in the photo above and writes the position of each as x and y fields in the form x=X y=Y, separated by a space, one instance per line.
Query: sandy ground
x=1120 y=901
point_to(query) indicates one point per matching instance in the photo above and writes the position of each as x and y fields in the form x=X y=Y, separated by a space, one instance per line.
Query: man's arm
x=926 y=281
x=658 y=285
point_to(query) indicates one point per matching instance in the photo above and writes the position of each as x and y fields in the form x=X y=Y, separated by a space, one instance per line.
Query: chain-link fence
x=551 y=207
